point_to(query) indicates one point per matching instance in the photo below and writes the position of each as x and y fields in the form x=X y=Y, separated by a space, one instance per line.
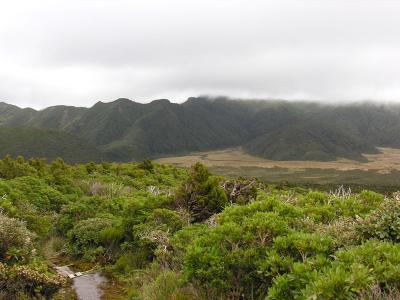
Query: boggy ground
x=381 y=169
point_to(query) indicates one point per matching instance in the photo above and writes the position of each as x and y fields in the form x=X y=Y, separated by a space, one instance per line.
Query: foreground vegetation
x=170 y=233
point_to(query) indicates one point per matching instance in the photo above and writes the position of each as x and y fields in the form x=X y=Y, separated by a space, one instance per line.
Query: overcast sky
x=80 y=52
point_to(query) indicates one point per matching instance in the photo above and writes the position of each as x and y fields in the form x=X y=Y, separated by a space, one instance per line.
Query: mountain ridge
x=124 y=130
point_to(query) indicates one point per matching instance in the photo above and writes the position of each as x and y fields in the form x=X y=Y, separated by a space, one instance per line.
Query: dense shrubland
x=169 y=233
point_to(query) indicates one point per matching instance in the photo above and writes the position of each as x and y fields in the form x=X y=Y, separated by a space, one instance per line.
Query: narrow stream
x=86 y=286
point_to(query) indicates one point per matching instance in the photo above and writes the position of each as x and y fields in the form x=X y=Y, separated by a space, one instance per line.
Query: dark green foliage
x=38 y=193
x=10 y=168
x=225 y=259
x=87 y=236
x=165 y=219
x=382 y=223
x=167 y=233
x=124 y=130
x=221 y=261
x=356 y=270
x=290 y=285
x=301 y=246
x=201 y=195
x=76 y=211
x=146 y=165
x=181 y=241
x=90 y=167
x=111 y=238
x=307 y=140
x=370 y=198
x=34 y=142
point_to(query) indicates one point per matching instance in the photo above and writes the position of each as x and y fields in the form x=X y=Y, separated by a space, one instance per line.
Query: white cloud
x=78 y=52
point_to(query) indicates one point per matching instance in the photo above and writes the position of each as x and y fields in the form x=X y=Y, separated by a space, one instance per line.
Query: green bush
x=181 y=241
x=238 y=214
x=86 y=237
x=167 y=285
x=131 y=261
x=222 y=261
x=263 y=227
x=201 y=195
x=343 y=231
x=370 y=198
x=16 y=243
x=291 y=283
x=169 y=233
x=10 y=168
x=146 y=165
x=70 y=214
x=302 y=246
x=21 y=282
x=355 y=270
x=382 y=223
x=38 y=193
x=165 y=219
x=315 y=198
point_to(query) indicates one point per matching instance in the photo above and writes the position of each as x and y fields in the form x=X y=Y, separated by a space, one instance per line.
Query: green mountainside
x=124 y=130
x=308 y=141
x=50 y=144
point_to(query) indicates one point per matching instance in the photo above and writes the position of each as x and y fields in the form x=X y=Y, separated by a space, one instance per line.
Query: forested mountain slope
x=33 y=142
x=125 y=130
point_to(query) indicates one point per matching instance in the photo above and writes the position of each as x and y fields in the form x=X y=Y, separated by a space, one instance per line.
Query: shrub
x=264 y=227
x=356 y=269
x=181 y=241
x=290 y=285
x=131 y=261
x=221 y=261
x=383 y=223
x=342 y=231
x=86 y=236
x=239 y=213
x=315 y=198
x=302 y=246
x=74 y=212
x=15 y=240
x=90 y=167
x=35 y=191
x=19 y=282
x=146 y=165
x=168 y=285
x=111 y=238
x=370 y=198
x=10 y=168
x=165 y=219
x=153 y=235
x=201 y=194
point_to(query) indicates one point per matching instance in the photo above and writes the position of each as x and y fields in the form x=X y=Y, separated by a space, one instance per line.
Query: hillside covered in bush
x=34 y=142
x=169 y=233
x=124 y=130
